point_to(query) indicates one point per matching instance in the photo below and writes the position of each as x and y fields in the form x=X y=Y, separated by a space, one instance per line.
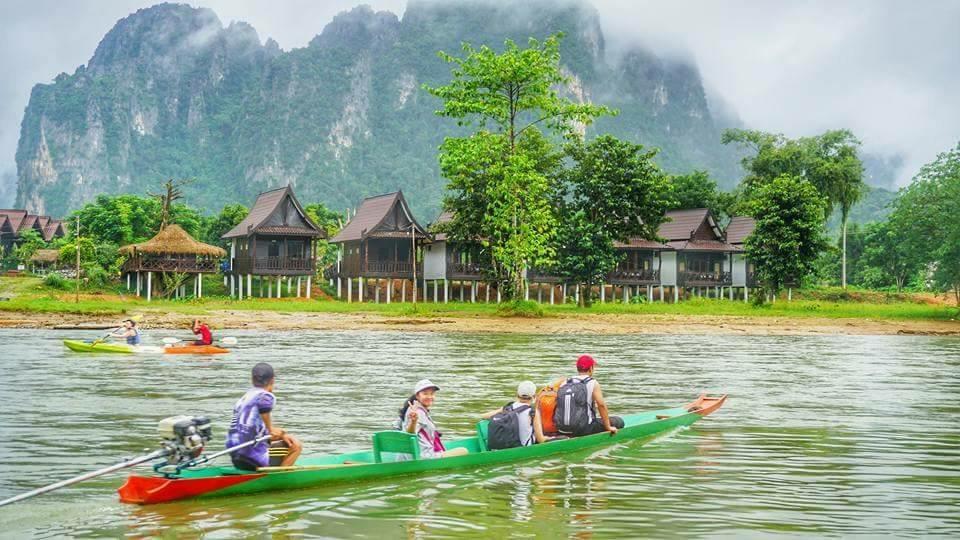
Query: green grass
x=31 y=296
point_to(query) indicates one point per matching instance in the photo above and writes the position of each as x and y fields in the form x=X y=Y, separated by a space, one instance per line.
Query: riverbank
x=28 y=304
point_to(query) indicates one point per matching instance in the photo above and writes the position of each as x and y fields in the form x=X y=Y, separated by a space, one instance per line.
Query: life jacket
x=573 y=414
x=503 y=431
x=547 y=404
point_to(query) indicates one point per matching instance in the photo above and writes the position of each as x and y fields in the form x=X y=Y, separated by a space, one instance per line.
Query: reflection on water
x=821 y=436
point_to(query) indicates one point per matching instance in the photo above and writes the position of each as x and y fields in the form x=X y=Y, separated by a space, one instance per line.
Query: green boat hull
x=88 y=347
x=361 y=465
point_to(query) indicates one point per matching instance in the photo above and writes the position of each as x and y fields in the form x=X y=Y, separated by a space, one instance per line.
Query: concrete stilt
x=746 y=294
x=389 y=290
x=498 y=295
x=240 y=288
x=349 y=290
x=309 y=292
x=138 y=283
x=661 y=292
x=403 y=291
x=249 y=285
x=279 y=286
x=435 y=291
x=376 y=291
x=650 y=293
x=676 y=294
x=149 y=284
x=486 y=292
x=446 y=291
x=539 y=294
x=473 y=292
x=128 y=281
x=339 y=287
x=603 y=293
x=552 y=290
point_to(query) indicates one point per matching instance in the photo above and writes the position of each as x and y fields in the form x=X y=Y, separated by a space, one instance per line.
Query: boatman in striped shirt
x=252 y=420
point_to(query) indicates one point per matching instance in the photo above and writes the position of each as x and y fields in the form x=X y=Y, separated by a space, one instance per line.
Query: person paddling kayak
x=128 y=330
x=415 y=419
x=252 y=419
x=201 y=329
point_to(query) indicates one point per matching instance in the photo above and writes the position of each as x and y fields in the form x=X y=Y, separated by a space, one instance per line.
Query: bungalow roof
x=15 y=217
x=740 y=228
x=382 y=216
x=276 y=212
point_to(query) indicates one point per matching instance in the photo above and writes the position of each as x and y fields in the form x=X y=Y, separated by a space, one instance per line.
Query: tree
x=229 y=217
x=698 y=190
x=28 y=244
x=500 y=181
x=828 y=161
x=613 y=192
x=331 y=222
x=789 y=231
x=926 y=212
x=887 y=257
x=172 y=193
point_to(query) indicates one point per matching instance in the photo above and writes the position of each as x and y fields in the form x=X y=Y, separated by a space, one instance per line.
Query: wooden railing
x=638 y=276
x=354 y=268
x=704 y=279
x=170 y=264
x=273 y=265
x=456 y=269
x=537 y=275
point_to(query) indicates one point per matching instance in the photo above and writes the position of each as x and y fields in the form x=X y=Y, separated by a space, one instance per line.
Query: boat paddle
x=127 y=464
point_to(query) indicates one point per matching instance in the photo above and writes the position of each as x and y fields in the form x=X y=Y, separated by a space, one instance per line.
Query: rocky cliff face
x=171 y=92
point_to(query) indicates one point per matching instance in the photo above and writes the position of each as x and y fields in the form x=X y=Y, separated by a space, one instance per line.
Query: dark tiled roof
x=444 y=217
x=373 y=212
x=740 y=228
x=681 y=224
x=53 y=229
x=28 y=222
x=266 y=204
x=15 y=217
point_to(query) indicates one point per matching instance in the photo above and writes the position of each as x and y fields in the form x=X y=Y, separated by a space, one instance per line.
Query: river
x=826 y=435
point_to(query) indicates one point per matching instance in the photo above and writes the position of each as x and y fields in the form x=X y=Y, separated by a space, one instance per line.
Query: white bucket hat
x=424 y=384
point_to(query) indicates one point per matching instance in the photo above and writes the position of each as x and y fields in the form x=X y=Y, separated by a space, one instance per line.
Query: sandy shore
x=567 y=324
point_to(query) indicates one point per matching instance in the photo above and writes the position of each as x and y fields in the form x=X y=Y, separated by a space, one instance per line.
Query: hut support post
x=389 y=290
x=790 y=294
x=603 y=292
x=650 y=293
x=498 y=295
x=240 y=288
x=339 y=287
x=746 y=295
x=473 y=292
x=403 y=291
x=349 y=290
x=435 y=291
x=361 y=285
x=486 y=292
x=461 y=289
x=552 y=290
x=128 y=281
x=290 y=286
x=539 y=294
x=526 y=291
x=199 y=285
x=138 y=283
x=730 y=293
x=676 y=295
x=446 y=291
x=149 y=284
x=376 y=291
x=280 y=286
x=309 y=278
x=425 y=295
x=661 y=292
x=298 y=287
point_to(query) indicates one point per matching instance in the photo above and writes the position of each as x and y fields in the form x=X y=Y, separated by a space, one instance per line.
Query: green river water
x=822 y=436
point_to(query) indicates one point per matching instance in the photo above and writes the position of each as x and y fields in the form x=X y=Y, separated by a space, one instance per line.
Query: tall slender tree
x=501 y=177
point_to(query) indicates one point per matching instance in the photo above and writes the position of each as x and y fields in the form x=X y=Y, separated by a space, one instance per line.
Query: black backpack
x=503 y=431
x=572 y=414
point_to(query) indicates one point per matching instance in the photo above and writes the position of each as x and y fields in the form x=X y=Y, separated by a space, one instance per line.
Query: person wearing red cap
x=583 y=392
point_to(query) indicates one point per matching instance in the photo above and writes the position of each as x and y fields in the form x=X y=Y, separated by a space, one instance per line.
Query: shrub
x=521 y=308
x=56 y=281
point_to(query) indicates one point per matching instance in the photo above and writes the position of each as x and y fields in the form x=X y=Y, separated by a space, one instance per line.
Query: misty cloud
x=890 y=71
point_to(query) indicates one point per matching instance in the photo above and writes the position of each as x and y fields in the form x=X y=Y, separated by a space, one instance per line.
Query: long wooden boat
x=381 y=462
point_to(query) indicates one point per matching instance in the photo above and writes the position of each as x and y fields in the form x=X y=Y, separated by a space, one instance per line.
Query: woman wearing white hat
x=416 y=420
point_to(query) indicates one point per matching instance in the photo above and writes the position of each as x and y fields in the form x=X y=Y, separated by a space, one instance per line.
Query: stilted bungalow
x=274 y=244
x=744 y=276
x=456 y=267
x=647 y=267
x=171 y=251
x=381 y=243
x=703 y=255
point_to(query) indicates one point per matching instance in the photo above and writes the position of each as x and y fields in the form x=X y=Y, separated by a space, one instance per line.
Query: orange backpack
x=547 y=403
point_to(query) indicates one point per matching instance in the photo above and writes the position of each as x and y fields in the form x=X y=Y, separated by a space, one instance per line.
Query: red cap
x=585 y=363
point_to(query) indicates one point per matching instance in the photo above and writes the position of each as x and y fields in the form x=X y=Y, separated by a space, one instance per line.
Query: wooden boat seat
x=399 y=442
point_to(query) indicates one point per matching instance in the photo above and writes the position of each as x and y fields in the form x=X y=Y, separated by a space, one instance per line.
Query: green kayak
x=382 y=462
x=103 y=347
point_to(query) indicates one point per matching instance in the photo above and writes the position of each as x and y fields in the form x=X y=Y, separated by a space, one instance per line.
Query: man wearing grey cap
x=522 y=408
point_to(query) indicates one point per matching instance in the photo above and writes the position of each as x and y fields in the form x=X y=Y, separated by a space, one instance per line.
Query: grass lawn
x=29 y=294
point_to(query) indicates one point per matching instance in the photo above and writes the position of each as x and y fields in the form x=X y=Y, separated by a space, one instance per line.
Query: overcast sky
x=888 y=70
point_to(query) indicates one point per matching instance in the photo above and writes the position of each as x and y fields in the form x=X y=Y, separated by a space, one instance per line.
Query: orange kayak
x=194 y=349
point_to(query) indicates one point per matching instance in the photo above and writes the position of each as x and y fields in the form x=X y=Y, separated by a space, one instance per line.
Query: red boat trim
x=150 y=489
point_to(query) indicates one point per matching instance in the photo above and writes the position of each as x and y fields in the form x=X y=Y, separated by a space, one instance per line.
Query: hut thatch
x=173 y=240
x=45 y=256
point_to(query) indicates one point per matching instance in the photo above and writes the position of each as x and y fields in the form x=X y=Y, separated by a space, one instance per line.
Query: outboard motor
x=184 y=437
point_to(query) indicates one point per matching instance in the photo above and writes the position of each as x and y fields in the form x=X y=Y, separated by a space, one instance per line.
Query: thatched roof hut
x=45 y=256
x=173 y=240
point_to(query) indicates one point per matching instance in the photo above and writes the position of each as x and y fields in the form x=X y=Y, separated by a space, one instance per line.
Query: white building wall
x=668 y=268
x=739 y=270
x=435 y=261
